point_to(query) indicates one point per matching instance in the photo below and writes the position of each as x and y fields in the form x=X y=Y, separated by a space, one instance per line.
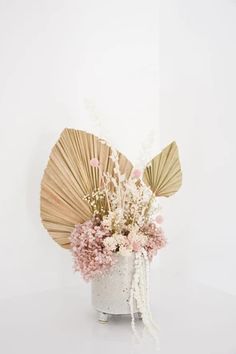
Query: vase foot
x=139 y=315
x=102 y=317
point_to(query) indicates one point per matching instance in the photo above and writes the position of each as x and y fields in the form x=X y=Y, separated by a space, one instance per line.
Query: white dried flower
x=110 y=243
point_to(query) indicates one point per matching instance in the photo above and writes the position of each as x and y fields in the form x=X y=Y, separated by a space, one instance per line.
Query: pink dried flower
x=156 y=239
x=137 y=173
x=94 y=162
x=91 y=257
x=136 y=246
x=159 y=219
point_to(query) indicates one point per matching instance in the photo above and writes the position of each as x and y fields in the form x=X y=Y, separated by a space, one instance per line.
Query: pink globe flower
x=159 y=219
x=137 y=173
x=94 y=162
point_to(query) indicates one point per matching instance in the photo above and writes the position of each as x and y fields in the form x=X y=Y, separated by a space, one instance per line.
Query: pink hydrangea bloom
x=94 y=162
x=91 y=257
x=156 y=239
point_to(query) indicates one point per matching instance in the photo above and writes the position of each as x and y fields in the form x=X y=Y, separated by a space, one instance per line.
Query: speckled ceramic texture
x=111 y=291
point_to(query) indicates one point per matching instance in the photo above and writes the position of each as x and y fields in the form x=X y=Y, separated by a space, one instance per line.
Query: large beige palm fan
x=69 y=176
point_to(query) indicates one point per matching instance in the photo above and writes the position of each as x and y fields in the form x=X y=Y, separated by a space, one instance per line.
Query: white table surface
x=193 y=319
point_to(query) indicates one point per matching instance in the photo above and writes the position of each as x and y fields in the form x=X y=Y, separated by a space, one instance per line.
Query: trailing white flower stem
x=139 y=293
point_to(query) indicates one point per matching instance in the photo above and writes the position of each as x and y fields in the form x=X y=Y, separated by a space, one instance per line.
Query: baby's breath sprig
x=97 y=202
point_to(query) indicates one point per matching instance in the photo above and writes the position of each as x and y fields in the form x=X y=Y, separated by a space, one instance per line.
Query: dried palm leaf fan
x=163 y=173
x=69 y=176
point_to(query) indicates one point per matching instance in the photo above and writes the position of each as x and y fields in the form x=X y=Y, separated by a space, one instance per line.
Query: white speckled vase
x=111 y=291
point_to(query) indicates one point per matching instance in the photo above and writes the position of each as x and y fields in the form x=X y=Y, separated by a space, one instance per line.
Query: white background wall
x=197 y=108
x=140 y=64
x=57 y=58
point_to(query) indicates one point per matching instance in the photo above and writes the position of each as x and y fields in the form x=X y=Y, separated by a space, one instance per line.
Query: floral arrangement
x=126 y=219
x=95 y=203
